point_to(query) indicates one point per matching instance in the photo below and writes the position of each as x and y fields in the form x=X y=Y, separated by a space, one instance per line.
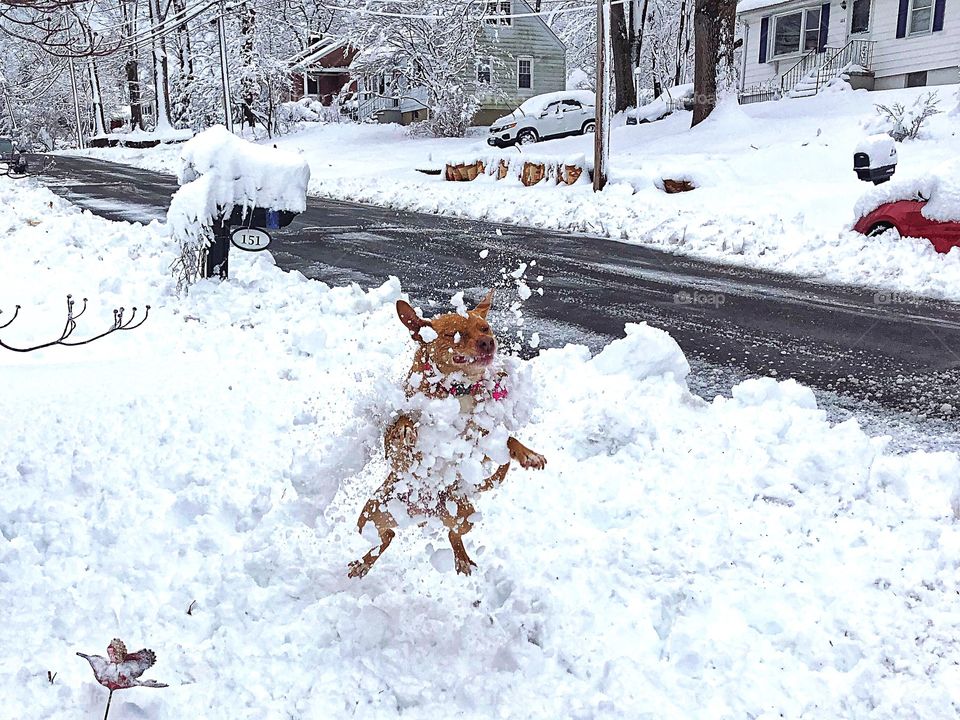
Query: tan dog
x=452 y=348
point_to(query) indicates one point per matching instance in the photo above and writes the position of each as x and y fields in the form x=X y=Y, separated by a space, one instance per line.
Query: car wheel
x=588 y=127
x=880 y=228
x=527 y=137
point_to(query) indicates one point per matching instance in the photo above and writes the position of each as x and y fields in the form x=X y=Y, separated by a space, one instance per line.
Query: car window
x=569 y=105
x=551 y=108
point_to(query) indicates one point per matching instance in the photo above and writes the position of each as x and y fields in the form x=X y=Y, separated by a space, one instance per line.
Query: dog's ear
x=408 y=316
x=484 y=305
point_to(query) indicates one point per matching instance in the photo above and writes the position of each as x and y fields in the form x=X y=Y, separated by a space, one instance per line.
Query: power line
x=492 y=17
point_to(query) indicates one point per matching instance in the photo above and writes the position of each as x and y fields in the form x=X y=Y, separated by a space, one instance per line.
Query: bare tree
x=433 y=53
x=714 y=70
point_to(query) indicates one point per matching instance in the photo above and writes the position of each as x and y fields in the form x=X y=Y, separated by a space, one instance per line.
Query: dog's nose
x=486 y=345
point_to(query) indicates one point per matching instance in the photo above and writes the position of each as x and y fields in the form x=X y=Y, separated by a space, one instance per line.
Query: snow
x=536 y=104
x=679 y=557
x=244 y=173
x=663 y=105
x=940 y=186
x=775 y=186
x=880 y=148
x=745 y=6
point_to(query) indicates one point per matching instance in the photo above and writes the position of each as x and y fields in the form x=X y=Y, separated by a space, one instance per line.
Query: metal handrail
x=796 y=73
x=859 y=52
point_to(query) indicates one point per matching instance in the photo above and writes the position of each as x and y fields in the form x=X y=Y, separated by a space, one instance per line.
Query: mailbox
x=875 y=159
x=261 y=217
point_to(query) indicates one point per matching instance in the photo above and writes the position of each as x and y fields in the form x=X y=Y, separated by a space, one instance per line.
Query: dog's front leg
x=525 y=456
x=399 y=442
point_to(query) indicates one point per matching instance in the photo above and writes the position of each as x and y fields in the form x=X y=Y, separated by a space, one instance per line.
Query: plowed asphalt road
x=866 y=352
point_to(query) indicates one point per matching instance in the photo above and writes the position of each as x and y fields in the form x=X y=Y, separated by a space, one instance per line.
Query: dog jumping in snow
x=450 y=441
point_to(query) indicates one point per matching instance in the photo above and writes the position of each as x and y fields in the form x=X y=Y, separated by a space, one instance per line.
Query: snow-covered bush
x=903 y=123
x=451 y=110
x=307 y=110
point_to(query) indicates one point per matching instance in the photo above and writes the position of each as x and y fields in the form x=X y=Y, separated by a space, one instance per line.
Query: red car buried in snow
x=907 y=218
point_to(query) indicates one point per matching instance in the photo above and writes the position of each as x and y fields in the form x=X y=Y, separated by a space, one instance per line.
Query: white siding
x=893 y=57
x=755 y=72
x=898 y=56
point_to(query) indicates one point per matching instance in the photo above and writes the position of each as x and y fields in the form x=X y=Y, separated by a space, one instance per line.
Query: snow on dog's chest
x=464 y=437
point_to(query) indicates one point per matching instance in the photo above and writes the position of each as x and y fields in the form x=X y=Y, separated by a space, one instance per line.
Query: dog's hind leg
x=459 y=526
x=373 y=512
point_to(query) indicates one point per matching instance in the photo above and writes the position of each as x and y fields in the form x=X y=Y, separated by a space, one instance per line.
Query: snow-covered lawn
x=776 y=185
x=679 y=557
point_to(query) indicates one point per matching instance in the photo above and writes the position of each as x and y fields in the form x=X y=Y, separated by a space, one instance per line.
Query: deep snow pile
x=678 y=558
x=775 y=185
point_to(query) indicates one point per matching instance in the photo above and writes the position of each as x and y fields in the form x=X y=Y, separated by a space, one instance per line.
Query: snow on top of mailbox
x=243 y=173
x=881 y=148
x=940 y=187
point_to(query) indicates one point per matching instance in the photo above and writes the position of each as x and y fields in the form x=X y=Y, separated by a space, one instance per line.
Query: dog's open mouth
x=483 y=359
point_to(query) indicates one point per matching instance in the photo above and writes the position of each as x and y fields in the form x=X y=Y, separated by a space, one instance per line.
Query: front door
x=859 y=20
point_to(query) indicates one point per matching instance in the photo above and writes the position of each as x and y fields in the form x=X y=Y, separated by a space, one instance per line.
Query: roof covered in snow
x=745 y=6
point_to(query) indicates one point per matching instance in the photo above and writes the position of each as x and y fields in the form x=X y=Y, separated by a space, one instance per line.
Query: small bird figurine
x=120 y=669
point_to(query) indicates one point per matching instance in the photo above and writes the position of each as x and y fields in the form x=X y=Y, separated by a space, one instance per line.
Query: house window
x=797 y=32
x=483 y=70
x=498 y=12
x=921 y=16
x=860 y=17
x=524 y=73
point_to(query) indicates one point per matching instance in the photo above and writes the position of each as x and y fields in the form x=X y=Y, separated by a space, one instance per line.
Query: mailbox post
x=216 y=262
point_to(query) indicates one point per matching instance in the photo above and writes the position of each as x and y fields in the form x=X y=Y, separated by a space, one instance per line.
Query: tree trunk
x=622 y=67
x=185 y=65
x=161 y=70
x=713 y=27
x=131 y=67
x=248 y=86
x=683 y=21
x=99 y=121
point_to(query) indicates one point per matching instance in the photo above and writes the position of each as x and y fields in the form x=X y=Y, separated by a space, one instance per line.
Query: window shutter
x=764 y=31
x=902 y=18
x=939 y=7
x=824 y=26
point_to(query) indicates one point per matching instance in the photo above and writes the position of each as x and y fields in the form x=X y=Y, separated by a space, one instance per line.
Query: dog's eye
x=485 y=329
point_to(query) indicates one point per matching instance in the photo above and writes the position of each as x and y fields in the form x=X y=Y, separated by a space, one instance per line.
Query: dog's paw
x=532 y=460
x=464 y=565
x=358 y=568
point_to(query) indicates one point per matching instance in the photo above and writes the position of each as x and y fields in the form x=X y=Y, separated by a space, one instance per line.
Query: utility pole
x=225 y=77
x=601 y=137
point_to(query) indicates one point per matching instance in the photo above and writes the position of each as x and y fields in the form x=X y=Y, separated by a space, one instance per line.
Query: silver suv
x=546 y=116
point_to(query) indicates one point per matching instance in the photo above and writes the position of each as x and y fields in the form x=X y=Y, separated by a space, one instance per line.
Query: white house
x=795 y=47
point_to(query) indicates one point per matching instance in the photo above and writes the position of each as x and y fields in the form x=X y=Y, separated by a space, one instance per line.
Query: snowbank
x=678 y=558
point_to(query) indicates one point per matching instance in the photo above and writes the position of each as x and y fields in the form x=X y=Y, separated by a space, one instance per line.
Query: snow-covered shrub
x=903 y=123
x=451 y=110
x=307 y=110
